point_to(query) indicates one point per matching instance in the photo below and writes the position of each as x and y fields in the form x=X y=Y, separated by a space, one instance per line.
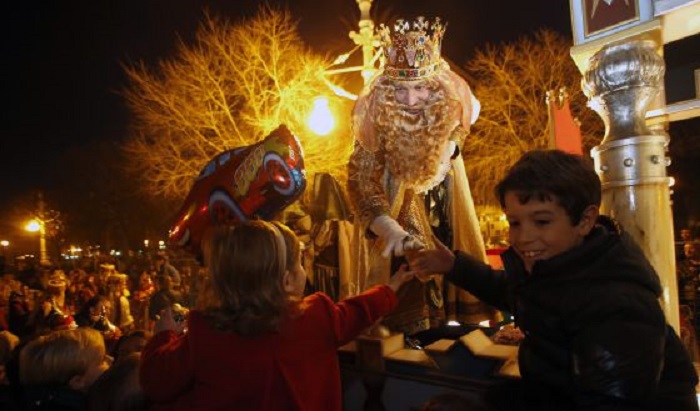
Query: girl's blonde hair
x=246 y=263
x=55 y=358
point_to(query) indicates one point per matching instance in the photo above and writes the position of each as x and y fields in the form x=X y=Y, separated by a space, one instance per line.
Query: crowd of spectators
x=688 y=276
x=71 y=337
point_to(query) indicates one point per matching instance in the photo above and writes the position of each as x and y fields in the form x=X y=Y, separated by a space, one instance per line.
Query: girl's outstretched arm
x=353 y=315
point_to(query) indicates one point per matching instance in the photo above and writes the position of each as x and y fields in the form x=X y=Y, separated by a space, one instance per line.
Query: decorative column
x=621 y=80
x=366 y=39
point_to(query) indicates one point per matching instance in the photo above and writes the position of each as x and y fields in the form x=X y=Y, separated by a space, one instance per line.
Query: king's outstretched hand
x=396 y=239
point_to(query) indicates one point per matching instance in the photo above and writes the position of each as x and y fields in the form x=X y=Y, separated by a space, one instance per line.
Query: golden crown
x=412 y=50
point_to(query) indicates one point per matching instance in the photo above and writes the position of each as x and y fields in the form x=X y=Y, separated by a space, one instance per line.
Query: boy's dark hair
x=543 y=173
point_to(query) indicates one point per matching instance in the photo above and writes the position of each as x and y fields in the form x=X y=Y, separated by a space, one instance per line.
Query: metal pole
x=621 y=81
x=43 y=257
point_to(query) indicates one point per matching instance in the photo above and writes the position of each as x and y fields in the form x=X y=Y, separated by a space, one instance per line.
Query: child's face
x=540 y=230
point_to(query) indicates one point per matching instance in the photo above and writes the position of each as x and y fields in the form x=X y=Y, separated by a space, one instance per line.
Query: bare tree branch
x=511 y=81
x=231 y=87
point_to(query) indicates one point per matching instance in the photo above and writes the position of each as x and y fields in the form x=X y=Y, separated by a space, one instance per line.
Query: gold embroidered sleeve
x=365 y=174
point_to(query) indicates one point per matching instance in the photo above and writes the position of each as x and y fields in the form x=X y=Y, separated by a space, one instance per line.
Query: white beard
x=414 y=143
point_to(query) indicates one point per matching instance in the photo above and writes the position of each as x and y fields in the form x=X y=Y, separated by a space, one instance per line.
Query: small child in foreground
x=57 y=369
x=259 y=345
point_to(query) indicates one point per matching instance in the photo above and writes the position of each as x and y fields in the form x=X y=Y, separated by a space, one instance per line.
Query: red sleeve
x=166 y=366
x=351 y=316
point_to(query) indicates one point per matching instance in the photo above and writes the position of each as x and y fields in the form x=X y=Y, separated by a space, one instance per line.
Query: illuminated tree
x=232 y=86
x=511 y=81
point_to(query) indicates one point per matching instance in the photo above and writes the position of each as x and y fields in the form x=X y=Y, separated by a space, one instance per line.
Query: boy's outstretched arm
x=464 y=271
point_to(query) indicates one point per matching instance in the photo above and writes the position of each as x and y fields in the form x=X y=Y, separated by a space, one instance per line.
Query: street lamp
x=321 y=120
x=40 y=226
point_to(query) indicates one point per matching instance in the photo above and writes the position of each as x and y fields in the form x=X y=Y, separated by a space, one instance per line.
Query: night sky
x=61 y=59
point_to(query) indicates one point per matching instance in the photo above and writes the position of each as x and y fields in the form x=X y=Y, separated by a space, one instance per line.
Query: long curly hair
x=246 y=264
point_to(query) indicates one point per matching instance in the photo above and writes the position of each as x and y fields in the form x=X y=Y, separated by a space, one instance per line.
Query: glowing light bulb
x=321 y=120
x=33 y=226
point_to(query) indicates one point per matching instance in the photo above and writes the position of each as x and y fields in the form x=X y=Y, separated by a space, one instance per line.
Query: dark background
x=61 y=71
x=62 y=59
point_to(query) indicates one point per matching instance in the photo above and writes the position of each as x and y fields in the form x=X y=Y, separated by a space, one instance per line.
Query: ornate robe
x=374 y=192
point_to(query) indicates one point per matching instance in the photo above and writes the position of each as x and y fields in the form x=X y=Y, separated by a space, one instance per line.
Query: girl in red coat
x=258 y=345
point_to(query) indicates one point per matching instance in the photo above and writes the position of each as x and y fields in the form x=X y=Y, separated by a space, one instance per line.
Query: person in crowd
x=57 y=369
x=119 y=297
x=6 y=287
x=164 y=297
x=133 y=342
x=118 y=389
x=688 y=275
x=259 y=344
x=19 y=314
x=52 y=313
x=582 y=292
x=406 y=175
x=141 y=300
x=84 y=290
x=101 y=279
x=684 y=237
x=56 y=285
x=95 y=314
x=164 y=268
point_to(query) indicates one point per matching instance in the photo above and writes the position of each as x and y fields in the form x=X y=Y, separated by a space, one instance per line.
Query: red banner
x=565 y=130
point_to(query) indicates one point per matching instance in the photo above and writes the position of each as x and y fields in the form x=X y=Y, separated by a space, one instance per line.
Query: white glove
x=396 y=239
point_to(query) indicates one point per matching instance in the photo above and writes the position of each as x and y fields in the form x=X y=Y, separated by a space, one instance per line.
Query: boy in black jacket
x=582 y=292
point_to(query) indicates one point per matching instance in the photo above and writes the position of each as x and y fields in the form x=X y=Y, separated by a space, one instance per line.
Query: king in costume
x=406 y=176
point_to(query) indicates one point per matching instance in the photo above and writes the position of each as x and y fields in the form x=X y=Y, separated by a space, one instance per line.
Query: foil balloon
x=256 y=181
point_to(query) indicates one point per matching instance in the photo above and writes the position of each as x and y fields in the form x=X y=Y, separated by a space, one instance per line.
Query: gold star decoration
x=608 y=2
